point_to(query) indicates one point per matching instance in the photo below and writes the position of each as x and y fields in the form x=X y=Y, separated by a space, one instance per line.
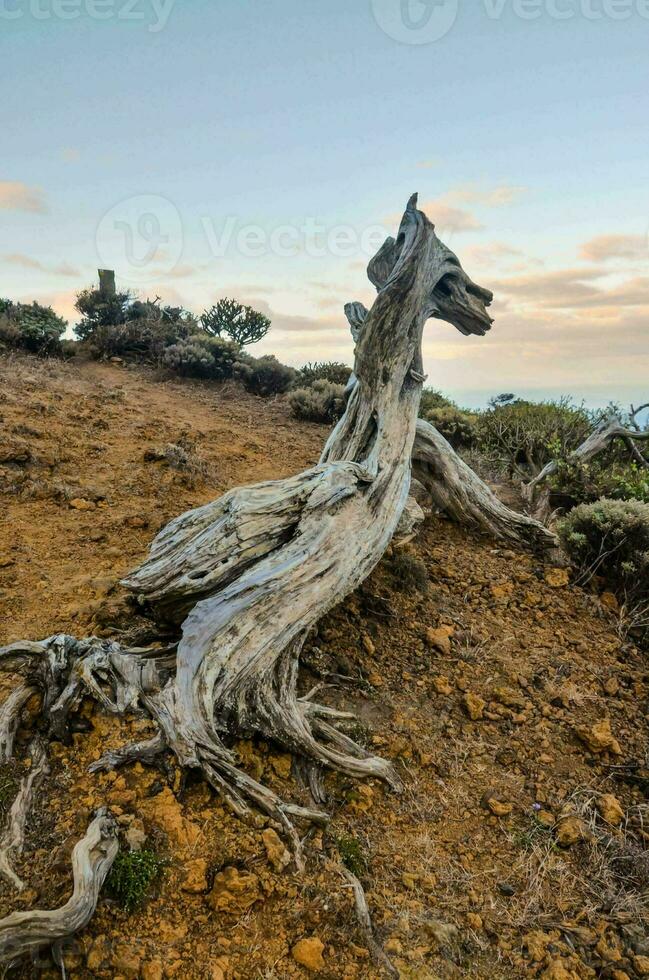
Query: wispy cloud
x=27 y=262
x=493 y=197
x=604 y=248
x=16 y=196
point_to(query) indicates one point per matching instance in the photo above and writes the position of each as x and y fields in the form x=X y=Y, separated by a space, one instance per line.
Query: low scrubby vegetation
x=323 y=401
x=264 y=375
x=31 y=327
x=132 y=877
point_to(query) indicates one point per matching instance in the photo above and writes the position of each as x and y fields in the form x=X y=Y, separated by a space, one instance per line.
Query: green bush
x=132 y=875
x=610 y=538
x=432 y=399
x=523 y=436
x=202 y=356
x=455 y=425
x=99 y=309
x=241 y=324
x=609 y=475
x=31 y=327
x=264 y=375
x=333 y=371
x=322 y=402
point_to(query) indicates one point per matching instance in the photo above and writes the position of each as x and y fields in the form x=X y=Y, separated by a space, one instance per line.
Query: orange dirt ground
x=513 y=709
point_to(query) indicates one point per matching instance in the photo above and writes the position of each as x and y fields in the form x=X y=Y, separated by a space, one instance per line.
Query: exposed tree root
x=377 y=953
x=13 y=837
x=24 y=932
x=466 y=499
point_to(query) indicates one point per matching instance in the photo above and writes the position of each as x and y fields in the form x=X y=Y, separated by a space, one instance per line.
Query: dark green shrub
x=609 y=475
x=353 y=855
x=99 y=309
x=409 y=571
x=456 y=426
x=333 y=371
x=322 y=402
x=610 y=538
x=132 y=875
x=523 y=436
x=241 y=324
x=432 y=399
x=202 y=356
x=264 y=375
x=31 y=327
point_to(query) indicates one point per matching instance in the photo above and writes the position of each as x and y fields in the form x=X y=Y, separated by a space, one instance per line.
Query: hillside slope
x=504 y=693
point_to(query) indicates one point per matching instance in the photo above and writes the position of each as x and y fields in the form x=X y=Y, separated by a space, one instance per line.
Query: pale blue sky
x=526 y=139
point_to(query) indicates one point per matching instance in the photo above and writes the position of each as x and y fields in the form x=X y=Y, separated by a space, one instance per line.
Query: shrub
x=99 y=309
x=524 y=436
x=241 y=324
x=322 y=402
x=610 y=538
x=264 y=375
x=609 y=475
x=31 y=327
x=202 y=356
x=132 y=875
x=455 y=425
x=432 y=399
x=333 y=371
x=409 y=571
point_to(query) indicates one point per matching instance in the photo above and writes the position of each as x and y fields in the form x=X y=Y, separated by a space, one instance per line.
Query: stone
x=152 y=970
x=368 y=645
x=278 y=856
x=641 y=965
x=234 y=891
x=440 y=639
x=195 y=880
x=442 y=685
x=165 y=810
x=135 y=835
x=308 y=953
x=473 y=705
x=126 y=961
x=610 y=602
x=599 y=738
x=557 y=578
x=80 y=504
x=569 y=831
x=610 y=809
x=557 y=970
x=499 y=808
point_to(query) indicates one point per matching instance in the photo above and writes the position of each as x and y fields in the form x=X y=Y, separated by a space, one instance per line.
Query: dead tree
x=600 y=439
x=246 y=577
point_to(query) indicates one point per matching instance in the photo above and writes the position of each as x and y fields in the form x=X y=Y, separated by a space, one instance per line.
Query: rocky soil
x=513 y=708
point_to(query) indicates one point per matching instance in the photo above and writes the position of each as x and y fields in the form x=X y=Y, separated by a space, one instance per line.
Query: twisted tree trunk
x=248 y=576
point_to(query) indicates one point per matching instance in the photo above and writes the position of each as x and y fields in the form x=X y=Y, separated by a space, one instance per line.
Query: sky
x=263 y=149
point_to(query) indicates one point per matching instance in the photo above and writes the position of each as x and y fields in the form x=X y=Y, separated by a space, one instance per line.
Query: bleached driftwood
x=92 y=857
x=11 y=842
x=466 y=499
x=454 y=487
x=600 y=439
x=377 y=953
x=247 y=576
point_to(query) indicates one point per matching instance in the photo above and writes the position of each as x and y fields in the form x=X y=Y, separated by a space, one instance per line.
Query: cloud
x=489 y=254
x=26 y=262
x=573 y=289
x=428 y=164
x=448 y=218
x=604 y=248
x=495 y=197
x=16 y=196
